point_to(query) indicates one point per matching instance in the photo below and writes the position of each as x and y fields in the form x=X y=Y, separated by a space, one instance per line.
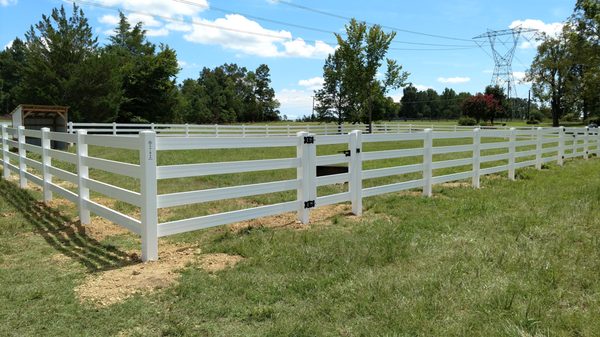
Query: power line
x=284 y=23
x=346 y=18
x=241 y=31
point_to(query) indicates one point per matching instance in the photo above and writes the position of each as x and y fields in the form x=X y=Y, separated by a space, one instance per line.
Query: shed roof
x=42 y=110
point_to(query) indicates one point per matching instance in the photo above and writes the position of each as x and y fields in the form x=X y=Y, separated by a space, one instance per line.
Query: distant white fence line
x=250 y=130
x=551 y=145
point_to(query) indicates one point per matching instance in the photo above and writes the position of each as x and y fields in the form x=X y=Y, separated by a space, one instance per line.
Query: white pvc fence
x=514 y=149
x=217 y=130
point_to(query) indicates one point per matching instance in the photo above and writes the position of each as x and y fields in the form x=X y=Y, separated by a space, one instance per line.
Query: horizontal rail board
x=495 y=169
x=525 y=153
x=452 y=134
x=451 y=163
x=193 y=143
x=32 y=133
x=496 y=145
x=33 y=178
x=391 y=171
x=126 y=221
x=12 y=168
x=33 y=148
x=371 y=138
x=114 y=192
x=63 y=156
x=452 y=177
x=72 y=197
x=333 y=179
x=119 y=142
x=330 y=140
x=389 y=154
x=186 y=225
x=332 y=199
x=62 y=137
x=33 y=163
x=452 y=149
x=205 y=169
x=406 y=185
x=117 y=167
x=223 y=193
x=525 y=163
x=332 y=159
x=64 y=175
x=496 y=157
x=12 y=143
x=12 y=156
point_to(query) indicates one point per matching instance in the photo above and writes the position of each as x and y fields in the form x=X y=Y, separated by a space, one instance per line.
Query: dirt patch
x=290 y=220
x=219 y=261
x=7 y=214
x=114 y=286
x=101 y=228
x=59 y=202
x=456 y=184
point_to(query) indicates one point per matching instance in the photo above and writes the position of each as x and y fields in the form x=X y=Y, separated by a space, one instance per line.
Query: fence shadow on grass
x=65 y=235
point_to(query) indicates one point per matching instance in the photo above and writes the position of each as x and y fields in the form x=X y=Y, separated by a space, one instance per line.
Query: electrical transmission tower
x=503 y=44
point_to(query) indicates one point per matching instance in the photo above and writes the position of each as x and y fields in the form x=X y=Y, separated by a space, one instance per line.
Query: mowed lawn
x=511 y=259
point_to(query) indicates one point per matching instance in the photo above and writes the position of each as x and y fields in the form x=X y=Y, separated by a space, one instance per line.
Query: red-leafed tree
x=482 y=107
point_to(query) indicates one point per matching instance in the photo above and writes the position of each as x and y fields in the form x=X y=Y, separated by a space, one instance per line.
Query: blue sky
x=212 y=32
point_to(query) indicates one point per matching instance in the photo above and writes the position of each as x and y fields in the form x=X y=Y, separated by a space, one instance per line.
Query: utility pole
x=313 y=107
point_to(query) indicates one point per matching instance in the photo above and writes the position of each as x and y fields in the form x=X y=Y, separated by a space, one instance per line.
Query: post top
x=81 y=132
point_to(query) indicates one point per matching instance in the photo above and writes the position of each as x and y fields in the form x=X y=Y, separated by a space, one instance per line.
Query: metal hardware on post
x=309 y=204
x=561 y=146
x=148 y=190
x=355 y=172
x=306 y=174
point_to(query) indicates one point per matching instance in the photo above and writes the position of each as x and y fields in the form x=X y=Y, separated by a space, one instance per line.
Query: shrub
x=532 y=121
x=467 y=121
x=537 y=116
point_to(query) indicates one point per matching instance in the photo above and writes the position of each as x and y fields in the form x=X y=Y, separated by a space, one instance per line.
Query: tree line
x=566 y=70
x=60 y=62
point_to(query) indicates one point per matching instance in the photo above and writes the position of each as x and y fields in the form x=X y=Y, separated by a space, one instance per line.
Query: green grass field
x=511 y=259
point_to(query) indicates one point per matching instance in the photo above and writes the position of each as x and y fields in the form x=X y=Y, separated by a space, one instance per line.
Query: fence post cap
x=45 y=129
x=81 y=132
x=21 y=127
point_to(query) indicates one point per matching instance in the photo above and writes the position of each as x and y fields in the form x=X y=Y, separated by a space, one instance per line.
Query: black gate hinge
x=309 y=140
x=347 y=153
x=309 y=204
x=357 y=150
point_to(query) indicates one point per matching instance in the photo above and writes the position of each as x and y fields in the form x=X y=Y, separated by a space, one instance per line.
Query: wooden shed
x=35 y=117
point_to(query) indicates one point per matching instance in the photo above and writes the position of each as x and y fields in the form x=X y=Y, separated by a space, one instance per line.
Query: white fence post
x=561 y=146
x=216 y=130
x=152 y=126
x=307 y=189
x=70 y=127
x=267 y=130
x=114 y=128
x=5 y=149
x=46 y=162
x=597 y=141
x=476 y=157
x=22 y=155
x=427 y=162
x=82 y=173
x=355 y=171
x=538 y=148
x=148 y=190
x=512 y=149
x=586 y=143
x=187 y=130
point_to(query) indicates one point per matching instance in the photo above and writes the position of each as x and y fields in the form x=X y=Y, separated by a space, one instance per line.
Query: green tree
x=12 y=63
x=350 y=75
x=148 y=75
x=265 y=95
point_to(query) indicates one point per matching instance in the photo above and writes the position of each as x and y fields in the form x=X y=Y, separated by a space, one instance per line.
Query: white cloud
x=179 y=26
x=237 y=32
x=157 y=32
x=314 y=83
x=146 y=20
x=422 y=87
x=159 y=7
x=453 y=80
x=112 y=20
x=294 y=103
x=5 y=3
x=551 y=29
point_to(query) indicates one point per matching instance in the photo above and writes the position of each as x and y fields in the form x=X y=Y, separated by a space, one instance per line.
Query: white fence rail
x=481 y=152
x=253 y=130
